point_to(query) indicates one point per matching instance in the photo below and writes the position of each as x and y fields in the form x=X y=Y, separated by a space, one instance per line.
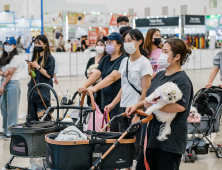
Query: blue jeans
x=11 y=100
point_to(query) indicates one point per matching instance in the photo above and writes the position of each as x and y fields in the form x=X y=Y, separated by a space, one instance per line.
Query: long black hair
x=105 y=53
x=47 y=52
x=136 y=35
x=5 y=58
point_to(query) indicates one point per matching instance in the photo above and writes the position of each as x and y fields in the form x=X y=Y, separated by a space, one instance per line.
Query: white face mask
x=130 y=48
x=8 y=48
x=120 y=26
x=100 y=50
x=163 y=60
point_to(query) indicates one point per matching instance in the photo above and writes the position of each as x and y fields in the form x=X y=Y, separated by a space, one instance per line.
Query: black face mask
x=39 y=48
x=157 y=41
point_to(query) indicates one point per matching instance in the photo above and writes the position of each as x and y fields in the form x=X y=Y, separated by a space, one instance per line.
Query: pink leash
x=105 y=114
x=144 y=150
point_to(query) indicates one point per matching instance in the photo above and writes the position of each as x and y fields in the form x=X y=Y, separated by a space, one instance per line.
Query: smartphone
x=27 y=61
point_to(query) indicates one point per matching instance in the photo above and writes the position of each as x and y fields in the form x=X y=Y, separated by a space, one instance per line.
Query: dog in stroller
x=209 y=124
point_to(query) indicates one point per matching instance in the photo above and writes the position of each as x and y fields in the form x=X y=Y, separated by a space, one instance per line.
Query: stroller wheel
x=185 y=157
x=193 y=157
x=219 y=152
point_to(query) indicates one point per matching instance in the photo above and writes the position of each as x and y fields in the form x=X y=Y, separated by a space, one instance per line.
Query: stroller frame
x=96 y=164
x=191 y=154
x=49 y=110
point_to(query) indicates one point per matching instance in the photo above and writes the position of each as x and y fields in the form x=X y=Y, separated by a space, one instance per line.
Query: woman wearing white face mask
x=135 y=73
x=167 y=154
x=93 y=64
x=10 y=86
x=109 y=63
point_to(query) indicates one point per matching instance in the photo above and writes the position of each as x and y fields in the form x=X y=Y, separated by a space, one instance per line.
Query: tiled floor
x=198 y=77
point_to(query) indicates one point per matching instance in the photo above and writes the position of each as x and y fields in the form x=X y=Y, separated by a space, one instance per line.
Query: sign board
x=157 y=22
x=95 y=34
x=7 y=18
x=194 y=20
x=36 y=23
x=53 y=18
x=22 y=23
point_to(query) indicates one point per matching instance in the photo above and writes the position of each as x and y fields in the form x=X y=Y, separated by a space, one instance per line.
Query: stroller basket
x=84 y=153
x=29 y=141
x=95 y=153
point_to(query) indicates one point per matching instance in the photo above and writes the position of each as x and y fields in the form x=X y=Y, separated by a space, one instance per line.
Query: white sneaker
x=22 y=115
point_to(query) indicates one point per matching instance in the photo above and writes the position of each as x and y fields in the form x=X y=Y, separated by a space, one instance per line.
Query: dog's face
x=193 y=111
x=171 y=93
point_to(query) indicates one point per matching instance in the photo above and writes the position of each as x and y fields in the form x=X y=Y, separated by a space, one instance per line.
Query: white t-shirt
x=68 y=46
x=136 y=70
x=15 y=62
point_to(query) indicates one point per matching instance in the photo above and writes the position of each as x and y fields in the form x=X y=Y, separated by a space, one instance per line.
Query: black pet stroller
x=28 y=139
x=91 y=153
x=207 y=125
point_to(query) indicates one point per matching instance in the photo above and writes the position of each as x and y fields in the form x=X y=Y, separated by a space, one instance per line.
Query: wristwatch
x=39 y=68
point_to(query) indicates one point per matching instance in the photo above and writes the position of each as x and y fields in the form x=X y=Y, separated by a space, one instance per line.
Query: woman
x=10 y=86
x=93 y=64
x=134 y=84
x=167 y=154
x=152 y=46
x=43 y=64
x=109 y=63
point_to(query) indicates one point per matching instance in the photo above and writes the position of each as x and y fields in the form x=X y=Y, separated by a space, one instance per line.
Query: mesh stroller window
x=49 y=156
x=18 y=146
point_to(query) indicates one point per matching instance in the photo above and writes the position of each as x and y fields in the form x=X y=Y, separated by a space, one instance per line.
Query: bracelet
x=96 y=88
x=39 y=68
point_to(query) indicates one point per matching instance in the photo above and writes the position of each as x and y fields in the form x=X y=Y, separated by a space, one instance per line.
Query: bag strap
x=144 y=150
x=128 y=79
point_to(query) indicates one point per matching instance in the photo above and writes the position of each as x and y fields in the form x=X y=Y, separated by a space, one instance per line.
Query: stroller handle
x=49 y=87
x=145 y=120
x=91 y=98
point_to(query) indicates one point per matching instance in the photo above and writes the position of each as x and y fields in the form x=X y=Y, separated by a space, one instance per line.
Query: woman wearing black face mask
x=43 y=64
x=152 y=45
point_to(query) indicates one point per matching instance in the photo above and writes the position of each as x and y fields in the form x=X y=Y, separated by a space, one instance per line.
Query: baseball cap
x=113 y=36
x=11 y=41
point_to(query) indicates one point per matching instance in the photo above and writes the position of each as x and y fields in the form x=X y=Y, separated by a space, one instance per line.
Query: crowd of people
x=126 y=69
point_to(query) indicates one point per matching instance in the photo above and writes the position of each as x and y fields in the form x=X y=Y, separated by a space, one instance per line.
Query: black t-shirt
x=40 y=78
x=177 y=140
x=106 y=67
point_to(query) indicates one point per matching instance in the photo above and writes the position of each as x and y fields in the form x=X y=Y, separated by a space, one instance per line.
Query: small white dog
x=166 y=94
x=194 y=112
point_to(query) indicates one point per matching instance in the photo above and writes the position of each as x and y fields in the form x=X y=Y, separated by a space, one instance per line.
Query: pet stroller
x=27 y=139
x=91 y=153
x=205 y=127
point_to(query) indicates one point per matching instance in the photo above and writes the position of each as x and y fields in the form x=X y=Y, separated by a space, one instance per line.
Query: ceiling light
x=98 y=12
x=111 y=13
